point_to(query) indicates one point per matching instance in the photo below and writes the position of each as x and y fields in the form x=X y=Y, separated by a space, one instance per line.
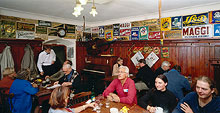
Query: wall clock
x=61 y=32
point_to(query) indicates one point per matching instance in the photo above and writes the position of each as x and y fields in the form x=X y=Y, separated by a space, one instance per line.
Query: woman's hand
x=185 y=107
x=92 y=105
x=151 y=109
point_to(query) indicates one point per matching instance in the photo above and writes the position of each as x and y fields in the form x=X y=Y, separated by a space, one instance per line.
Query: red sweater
x=6 y=82
x=126 y=93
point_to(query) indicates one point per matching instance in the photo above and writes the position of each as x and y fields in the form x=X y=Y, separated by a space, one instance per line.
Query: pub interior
x=51 y=51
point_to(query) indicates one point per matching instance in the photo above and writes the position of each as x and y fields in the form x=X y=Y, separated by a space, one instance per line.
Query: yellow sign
x=166 y=24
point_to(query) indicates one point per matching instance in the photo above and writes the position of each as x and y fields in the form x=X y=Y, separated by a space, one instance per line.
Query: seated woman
x=159 y=97
x=201 y=101
x=8 y=78
x=59 y=99
x=124 y=86
x=22 y=89
x=116 y=66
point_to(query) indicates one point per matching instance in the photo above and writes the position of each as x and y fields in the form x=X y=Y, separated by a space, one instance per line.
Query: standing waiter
x=46 y=61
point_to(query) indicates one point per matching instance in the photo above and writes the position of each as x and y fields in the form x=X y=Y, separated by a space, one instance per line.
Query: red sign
x=154 y=35
x=125 y=32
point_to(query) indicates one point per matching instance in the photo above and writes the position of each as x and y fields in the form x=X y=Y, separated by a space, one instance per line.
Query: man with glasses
x=124 y=86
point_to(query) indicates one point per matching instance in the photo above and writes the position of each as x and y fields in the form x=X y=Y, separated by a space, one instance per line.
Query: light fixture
x=78 y=8
x=83 y=2
x=93 y=12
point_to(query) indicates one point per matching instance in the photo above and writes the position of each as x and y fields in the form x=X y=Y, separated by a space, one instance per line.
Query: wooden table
x=133 y=108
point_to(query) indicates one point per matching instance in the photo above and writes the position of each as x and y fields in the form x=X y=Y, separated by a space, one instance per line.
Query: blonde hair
x=8 y=71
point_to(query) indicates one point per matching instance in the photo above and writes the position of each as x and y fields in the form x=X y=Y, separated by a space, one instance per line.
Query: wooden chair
x=5 y=105
x=79 y=97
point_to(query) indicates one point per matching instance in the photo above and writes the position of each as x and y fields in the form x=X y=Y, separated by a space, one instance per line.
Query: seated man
x=71 y=77
x=59 y=74
x=201 y=101
x=124 y=86
x=145 y=77
x=8 y=78
x=165 y=66
x=177 y=82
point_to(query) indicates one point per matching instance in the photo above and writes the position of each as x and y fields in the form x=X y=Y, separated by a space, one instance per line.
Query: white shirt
x=45 y=59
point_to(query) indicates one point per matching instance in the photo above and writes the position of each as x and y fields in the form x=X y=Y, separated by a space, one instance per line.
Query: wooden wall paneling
x=211 y=56
x=185 y=59
x=189 y=61
x=197 y=63
x=193 y=61
x=202 y=68
x=207 y=64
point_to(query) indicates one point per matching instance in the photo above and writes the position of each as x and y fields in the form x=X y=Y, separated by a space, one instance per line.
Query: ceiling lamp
x=93 y=12
x=83 y=2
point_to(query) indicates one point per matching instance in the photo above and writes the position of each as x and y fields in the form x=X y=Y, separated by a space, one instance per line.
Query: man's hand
x=151 y=109
x=42 y=73
x=116 y=98
x=67 y=84
x=109 y=98
x=47 y=77
x=185 y=107
x=52 y=62
x=34 y=85
x=55 y=83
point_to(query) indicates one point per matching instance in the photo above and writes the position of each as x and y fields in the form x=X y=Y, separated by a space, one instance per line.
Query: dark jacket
x=146 y=75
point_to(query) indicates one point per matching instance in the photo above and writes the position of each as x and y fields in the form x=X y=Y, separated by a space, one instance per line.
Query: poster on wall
x=70 y=36
x=101 y=31
x=217 y=30
x=165 y=52
x=196 y=19
x=70 y=52
x=106 y=27
x=41 y=30
x=7 y=29
x=109 y=35
x=150 y=22
x=154 y=28
x=44 y=23
x=135 y=33
x=57 y=25
x=156 y=50
x=202 y=31
x=25 y=26
x=151 y=59
x=41 y=36
x=176 y=23
x=125 y=29
x=214 y=17
x=154 y=35
x=176 y=34
x=136 y=58
x=52 y=32
x=166 y=24
x=70 y=28
x=143 y=33
x=25 y=35
x=116 y=29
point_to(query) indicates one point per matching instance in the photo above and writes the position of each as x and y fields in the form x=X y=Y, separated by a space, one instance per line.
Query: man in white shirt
x=45 y=61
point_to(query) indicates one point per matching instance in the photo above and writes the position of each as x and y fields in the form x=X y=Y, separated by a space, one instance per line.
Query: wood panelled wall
x=192 y=55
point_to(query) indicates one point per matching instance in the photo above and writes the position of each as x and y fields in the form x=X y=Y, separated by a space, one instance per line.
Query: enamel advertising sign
x=135 y=33
x=176 y=34
x=154 y=35
x=143 y=33
x=202 y=31
x=125 y=29
x=196 y=19
x=215 y=17
x=217 y=30
x=108 y=35
x=116 y=29
x=166 y=24
x=176 y=23
x=101 y=31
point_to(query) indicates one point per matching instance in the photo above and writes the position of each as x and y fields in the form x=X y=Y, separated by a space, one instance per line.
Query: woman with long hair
x=59 y=99
x=159 y=97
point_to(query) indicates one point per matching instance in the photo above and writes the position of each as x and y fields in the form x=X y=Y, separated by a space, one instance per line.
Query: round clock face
x=61 y=32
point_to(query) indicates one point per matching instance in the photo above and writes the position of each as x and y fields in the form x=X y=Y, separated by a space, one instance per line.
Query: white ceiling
x=108 y=10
